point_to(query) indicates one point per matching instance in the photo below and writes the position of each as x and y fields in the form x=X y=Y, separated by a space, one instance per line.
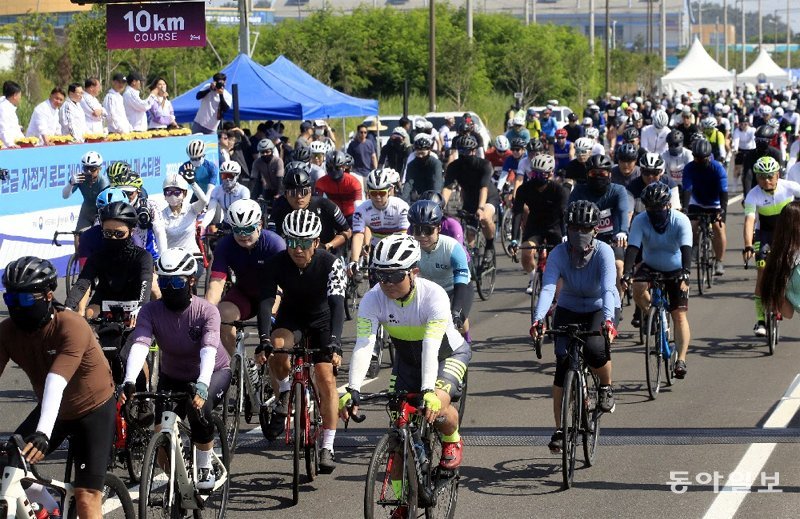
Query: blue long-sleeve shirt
x=705 y=183
x=583 y=290
x=615 y=199
x=549 y=126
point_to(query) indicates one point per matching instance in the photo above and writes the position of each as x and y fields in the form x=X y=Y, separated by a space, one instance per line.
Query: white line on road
x=732 y=495
x=735 y=199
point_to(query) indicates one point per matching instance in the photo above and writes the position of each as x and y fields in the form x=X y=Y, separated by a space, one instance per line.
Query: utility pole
x=608 y=45
x=716 y=40
x=663 y=33
x=760 y=27
x=469 y=20
x=788 y=37
x=244 y=28
x=431 y=55
x=591 y=26
x=725 y=28
x=744 y=38
x=527 y=10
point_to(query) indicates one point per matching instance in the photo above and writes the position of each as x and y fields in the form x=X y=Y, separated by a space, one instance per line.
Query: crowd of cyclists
x=609 y=200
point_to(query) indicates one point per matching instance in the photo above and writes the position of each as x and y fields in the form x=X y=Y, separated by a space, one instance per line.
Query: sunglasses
x=266 y=152
x=23 y=299
x=391 y=277
x=176 y=282
x=378 y=192
x=227 y=176
x=115 y=234
x=765 y=176
x=173 y=192
x=244 y=231
x=303 y=243
x=423 y=230
x=91 y=169
x=299 y=192
x=580 y=228
x=650 y=172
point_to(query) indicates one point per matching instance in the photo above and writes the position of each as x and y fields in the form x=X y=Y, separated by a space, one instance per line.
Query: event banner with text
x=148 y=26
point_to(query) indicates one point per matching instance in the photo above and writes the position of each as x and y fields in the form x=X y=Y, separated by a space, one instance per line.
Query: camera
x=3 y=174
x=219 y=85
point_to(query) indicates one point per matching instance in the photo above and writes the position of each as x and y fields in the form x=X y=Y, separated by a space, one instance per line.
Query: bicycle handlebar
x=59 y=233
x=573 y=331
x=17 y=443
x=388 y=395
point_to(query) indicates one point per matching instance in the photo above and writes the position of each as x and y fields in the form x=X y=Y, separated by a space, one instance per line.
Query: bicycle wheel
x=652 y=352
x=505 y=230
x=669 y=361
x=73 y=271
x=710 y=260
x=591 y=425
x=488 y=276
x=772 y=332
x=117 y=502
x=385 y=468
x=232 y=403
x=537 y=288
x=441 y=484
x=154 y=498
x=313 y=442
x=700 y=265
x=570 y=423
x=135 y=450
x=462 y=401
x=298 y=439
x=215 y=505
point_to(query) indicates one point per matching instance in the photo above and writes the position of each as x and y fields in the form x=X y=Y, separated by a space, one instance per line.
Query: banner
x=155 y=25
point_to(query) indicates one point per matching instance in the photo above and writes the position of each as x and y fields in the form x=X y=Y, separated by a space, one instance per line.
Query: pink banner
x=147 y=26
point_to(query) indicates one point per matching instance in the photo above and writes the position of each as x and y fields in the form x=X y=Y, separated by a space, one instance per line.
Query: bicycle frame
x=302 y=373
x=658 y=300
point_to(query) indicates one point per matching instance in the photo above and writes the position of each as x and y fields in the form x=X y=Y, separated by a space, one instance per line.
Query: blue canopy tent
x=281 y=90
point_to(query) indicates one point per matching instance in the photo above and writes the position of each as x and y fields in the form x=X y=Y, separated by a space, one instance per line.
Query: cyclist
x=762 y=206
x=588 y=297
x=424 y=172
x=518 y=130
x=532 y=124
x=267 y=171
x=395 y=152
x=318 y=151
x=575 y=172
x=498 y=153
x=563 y=150
x=511 y=163
x=675 y=159
x=60 y=355
x=763 y=137
x=706 y=181
x=90 y=183
x=450 y=226
x=651 y=168
x=204 y=170
x=313 y=282
x=716 y=138
x=341 y=187
x=245 y=253
x=654 y=137
x=548 y=125
x=627 y=169
x=574 y=129
x=432 y=357
x=297 y=195
x=594 y=134
x=630 y=136
x=193 y=360
x=664 y=237
x=546 y=201
x=92 y=238
x=224 y=195
x=532 y=149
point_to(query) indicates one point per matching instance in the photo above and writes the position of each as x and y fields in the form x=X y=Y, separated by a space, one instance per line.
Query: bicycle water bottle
x=122 y=429
x=40 y=512
x=419 y=448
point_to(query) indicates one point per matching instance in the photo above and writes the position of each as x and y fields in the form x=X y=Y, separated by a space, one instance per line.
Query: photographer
x=214 y=102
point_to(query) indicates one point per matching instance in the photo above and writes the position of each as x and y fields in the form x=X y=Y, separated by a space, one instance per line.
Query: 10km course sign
x=146 y=26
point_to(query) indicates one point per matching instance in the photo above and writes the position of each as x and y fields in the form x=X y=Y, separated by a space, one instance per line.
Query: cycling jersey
x=497 y=158
x=618 y=177
x=206 y=173
x=345 y=192
x=126 y=275
x=653 y=139
x=545 y=209
x=181 y=228
x=766 y=207
x=221 y=200
x=422 y=175
x=717 y=140
x=534 y=127
x=152 y=237
x=333 y=221
x=674 y=164
x=661 y=251
x=417 y=327
x=576 y=171
x=549 y=126
x=472 y=174
x=561 y=154
x=614 y=206
x=706 y=183
x=637 y=186
x=523 y=134
x=249 y=265
x=89 y=191
x=446 y=264
x=452 y=227
x=382 y=222
x=574 y=132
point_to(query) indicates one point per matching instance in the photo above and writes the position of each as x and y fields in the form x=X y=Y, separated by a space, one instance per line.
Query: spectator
x=238 y=149
x=267 y=171
x=224 y=147
x=214 y=102
x=261 y=132
x=282 y=146
x=73 y=120
x=44 y=120
x=306 y=134
x=161 y=114
x=135 y=107
x=115 y=106
x=9 y=122
x=92 y=109
x=322 y=132
x=405 y=124
x=363 y=152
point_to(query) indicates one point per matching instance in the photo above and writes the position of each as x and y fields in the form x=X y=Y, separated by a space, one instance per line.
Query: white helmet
x=92 y=159
x=302 y=223
x=778 y=113
x=176 y=262
x=420 y=123
x=709 y=122
x=244 y=212
x=592 y=133
x=399 y=130
x=518 y=120
x=318 y=148
x=381 y=178
x=266 y=145
x=583 y=144
x=718 y=107
x=423 y=141
x=765 y=110
x=726 y=109
x=230 y=166
x=660 y=119
x=397 y=251
x=587 y=121
x=196 y=149
x=543 y=163
x=501 y=143
x=175 y=180
x=589 y=102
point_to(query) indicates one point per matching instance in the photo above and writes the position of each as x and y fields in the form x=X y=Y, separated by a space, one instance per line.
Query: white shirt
x=207 y=113
x=794 y=151
x=89 y=103
x=180 y=228
x=44 y=121
x=793 y=173
x=654 y=140
x=73 y=119
x=135 y=109
x=744 y=140
x=9 y=123
x=115 y=110
x=674 y=164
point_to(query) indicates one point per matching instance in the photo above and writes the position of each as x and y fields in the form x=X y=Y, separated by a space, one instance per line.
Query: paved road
x=724 y=415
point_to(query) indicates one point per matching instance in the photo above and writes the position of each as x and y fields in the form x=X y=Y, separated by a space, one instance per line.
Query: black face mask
x=659 y=219
x=177 y=299
x=538 y=181
x=113 y=246
x=29 y=319
x=598 y=184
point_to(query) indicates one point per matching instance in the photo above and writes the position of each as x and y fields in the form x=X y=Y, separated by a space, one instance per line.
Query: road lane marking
x=735 y=199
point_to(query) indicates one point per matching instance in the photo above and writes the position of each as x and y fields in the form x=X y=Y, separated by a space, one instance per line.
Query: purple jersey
x=451 y=227
x=247 y=264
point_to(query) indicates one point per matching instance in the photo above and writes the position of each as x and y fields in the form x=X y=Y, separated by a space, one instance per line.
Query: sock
x=203 y=459
x=285 y=384
x=37 y=493
x=759 y=309
x=490 y=243
x=397 y=486
x=531 y=274
x=451 y=438
x=327 y=439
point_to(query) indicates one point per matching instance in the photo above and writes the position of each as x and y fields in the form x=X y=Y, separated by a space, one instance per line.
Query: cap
x=306 y=125
x=118 y=77
x=134 y=76
x=319 y=123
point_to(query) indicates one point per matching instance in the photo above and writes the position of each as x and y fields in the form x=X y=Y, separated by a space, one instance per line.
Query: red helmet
x=561 y=133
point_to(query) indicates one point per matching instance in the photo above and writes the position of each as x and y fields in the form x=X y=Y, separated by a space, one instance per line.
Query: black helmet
x=121 y=211
x=599 y=162
x=656 y=194
x=701 y=148
x=462 y=128
x=764 y=134
x=468 y=143
x=301 y=154
x=629 y=134
x=627 y=152
x=535 y=146
x=517 y=142
x=425 y=212
x=30 y=274
x=675 y=139
x=296 y=175
x=335 y=160
x=433 y=196
x=583 y=214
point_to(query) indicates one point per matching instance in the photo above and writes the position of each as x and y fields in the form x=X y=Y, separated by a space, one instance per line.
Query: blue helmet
x=110 y=195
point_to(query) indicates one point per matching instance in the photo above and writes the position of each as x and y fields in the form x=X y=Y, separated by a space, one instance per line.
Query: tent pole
x=235 y=95
x=725 y=28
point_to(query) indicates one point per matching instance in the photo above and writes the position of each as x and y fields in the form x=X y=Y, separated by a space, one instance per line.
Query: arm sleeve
x=437 y=324
x=54 y=386
x=208 y=358
x=686 y=257
x=136 y=359
x=202 y=200
x=408 y=185
x=630 y=258
x=461 y=296
x=438 y=178
x=623 y=208
x=203 y=92
x=552 y=273
x=146 y=263
x=366 y=330
x=269 y=291
x=337 y=280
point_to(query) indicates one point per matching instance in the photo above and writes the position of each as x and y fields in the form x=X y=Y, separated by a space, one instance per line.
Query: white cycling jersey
x=382 y=222
x=654 y=140
x=220 y=200
x=674 y=164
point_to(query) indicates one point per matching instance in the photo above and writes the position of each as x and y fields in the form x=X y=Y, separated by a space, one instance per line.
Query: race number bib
x=676 y=174
x=604 y=224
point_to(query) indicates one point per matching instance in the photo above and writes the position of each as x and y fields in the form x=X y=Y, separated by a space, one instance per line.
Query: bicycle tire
x=772 y=332
x=570 y=422
x=669 y=362
x=149 y=505
x=113 y=489
x=232 y=405
x=505 y=230
x=652 y=352
x=73 y=270
x=462 y=401
x=442 y=485
x=313 y=442
x=388 y=451
x=218 y=499
x=700 y=265
x=135 y=450
x=591 y=432
x=298 y=439
x=710 y=260
x=536 y=285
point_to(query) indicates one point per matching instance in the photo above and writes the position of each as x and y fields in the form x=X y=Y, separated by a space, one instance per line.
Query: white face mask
x=196 y=162
x=174 y=201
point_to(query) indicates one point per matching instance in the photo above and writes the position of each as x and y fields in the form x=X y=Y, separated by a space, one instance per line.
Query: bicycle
x=656 y=328
x=484 y=274
x=73 y=265
x=14 y=503
x=353 y=290
x=409 y=452
x=772 y=318
x=580 y=409
x=507 y=219
x=538 y=273
x=179 y=472
x=704 y=258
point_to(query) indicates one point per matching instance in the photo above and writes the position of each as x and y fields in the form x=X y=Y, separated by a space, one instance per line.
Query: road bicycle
x=483 y=272
x=656 y=329
x=14 y=503
x=355 y=288
x=507 y=219
x=538 y=275
x=704 y=256
x=404 y=469
x=73 y=265
x=772 y=318
x=170 y=473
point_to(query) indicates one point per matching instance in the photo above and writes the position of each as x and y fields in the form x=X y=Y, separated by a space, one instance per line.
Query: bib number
x=604 y=225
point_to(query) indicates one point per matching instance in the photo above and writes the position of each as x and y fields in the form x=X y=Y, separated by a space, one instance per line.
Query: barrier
x=31 y=205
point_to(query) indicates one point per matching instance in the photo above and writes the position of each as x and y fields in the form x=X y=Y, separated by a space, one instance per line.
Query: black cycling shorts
x=450 y=378
x=594 y=351
x=319 y=330
x=677 y=299
x=693 y=210
x=543 y=237
x=201 y=432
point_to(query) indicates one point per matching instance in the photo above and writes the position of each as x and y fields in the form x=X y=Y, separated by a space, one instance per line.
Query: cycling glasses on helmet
x=247 y=230
x=303 y=243
x=176 y=282
x=23 y=299
x=390 y=276
x=423 y=230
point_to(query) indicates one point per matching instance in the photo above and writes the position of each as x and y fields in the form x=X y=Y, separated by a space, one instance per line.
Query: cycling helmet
x=301 y=154
x=778 y=113
x=766 y=167
x=335 y=160
x=651 y=161
x=433 y=196
x=587 y=121
x=517 y=143
x=583 y=214
x=423 y=141
x=420 y=123
x=230 y=167
x=583 y=144
x=318 y=148
x=675 y=139
x=600 y=162
x=110 y=195
x=302 y=223
x=561 y=133
x=501 y=143
x=535 y=147
x=468 y=143
x=709 y=123
x=775 y=123
x=175 y=180
x=348 y=161
x=765 y=110
x=121 y=211
x=425 y=212
x=297 y=174
x=245 y=212
x=381 y=178
x=629 y=134
x=176 y=261
x=30 y=274
x=397 y=251
x=196 y=149
x=701 y=148
x=627 y=152
x=401 y=132
x=117 y=171
x=593 y=133
x=266 y=145
x=656 y=194
x=636 y=116
x=717 y=108
x=132 y=180
x=92 y=159
x=518 y=120
x=660 y=119
x=543 y=164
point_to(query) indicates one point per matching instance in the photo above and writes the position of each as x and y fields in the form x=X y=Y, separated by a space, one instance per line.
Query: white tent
x=697 y=70
x=764 y=70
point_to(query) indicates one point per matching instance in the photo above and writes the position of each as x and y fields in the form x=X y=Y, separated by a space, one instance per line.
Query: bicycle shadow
x=525 y=476
x=739 y=347
x=259 y=491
